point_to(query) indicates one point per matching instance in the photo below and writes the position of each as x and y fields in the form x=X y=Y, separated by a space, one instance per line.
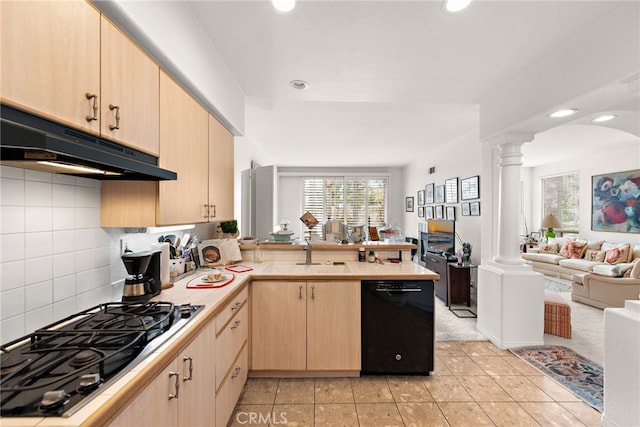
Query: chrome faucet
x=309 y=250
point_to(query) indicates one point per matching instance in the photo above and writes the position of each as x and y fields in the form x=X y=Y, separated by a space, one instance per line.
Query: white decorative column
x=510 y=293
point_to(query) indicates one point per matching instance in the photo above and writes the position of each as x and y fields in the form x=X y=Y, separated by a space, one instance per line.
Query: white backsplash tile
x=85 y=260
x=86 y=281
x=87 y=197
x=32 y=175
x=64 y=264
x=64 y=308
x=38 y=218
x=13 y=302
x=12 y=247
x=86 y=182
x=64 y=241
x=12 y=275
x=38 y=244
x=64 y=196
x=12 y=219
x=38 y=193
x=64 y=218
x=12 y=328
x=88 y=299
x=103 y=276
x=38 y=269
x=87 y=217
x=11 y=172
x=39 y=295
x=103 y=256
x=85 y=238
x=58 y=178
x=64 y=287
x=39 y=317
x=11 y=192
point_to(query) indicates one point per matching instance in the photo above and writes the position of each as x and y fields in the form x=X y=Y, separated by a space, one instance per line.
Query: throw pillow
x=547 y=248
x=593 y=255
x=635 y=254
x=635 y=271
x=573 y=249
x=617 y=255
x=595 y=245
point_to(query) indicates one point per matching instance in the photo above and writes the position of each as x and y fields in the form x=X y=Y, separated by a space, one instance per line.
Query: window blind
x=561 y=197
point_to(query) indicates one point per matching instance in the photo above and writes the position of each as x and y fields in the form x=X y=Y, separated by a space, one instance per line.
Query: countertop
x=117 y=395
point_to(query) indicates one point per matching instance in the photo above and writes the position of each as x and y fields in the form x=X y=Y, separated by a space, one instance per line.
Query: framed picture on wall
x=428 y=193
x=474 y=208
x=428 y=212
x=466 y=209
x=439 y=196
x=451 y=190
x=439 y=212
x=451 y=213
x=420 y=211
x=408 y=204
x=421 y=198
x=470 y=188
x=616 y=202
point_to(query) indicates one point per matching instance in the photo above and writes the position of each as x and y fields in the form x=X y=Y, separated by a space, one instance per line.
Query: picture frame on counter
x=408 y=204
x=474 y=208
x=428 y=193
x=428 y=212
x=451 y=190
x=420 y=211
x=451 y=213
x=439 y=194
x=470 y=188
x=421 y=198
x=465 y=209
x=439 y=211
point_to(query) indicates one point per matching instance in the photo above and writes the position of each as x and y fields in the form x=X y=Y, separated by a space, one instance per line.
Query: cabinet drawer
x=228 y=395
x=229 y=343
x=232 y=307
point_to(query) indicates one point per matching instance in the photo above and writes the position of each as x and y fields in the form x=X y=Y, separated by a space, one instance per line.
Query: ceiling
x=389 y=80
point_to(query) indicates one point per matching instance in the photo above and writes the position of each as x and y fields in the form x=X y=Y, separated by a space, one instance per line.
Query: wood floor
x=474 y=384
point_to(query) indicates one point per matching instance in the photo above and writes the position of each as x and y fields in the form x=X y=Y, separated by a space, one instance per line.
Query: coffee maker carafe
x=143 y=281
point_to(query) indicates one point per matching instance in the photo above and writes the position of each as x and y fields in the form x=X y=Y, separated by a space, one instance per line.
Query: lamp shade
x=550 y=221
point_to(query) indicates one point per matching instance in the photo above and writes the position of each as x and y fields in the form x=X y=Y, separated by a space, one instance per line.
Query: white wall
x=461 y=158
x=606 y=161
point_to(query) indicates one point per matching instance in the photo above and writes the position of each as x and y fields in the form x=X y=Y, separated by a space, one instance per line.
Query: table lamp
x=550 y=222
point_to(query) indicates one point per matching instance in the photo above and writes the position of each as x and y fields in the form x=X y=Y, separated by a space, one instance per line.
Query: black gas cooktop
x=57 y=369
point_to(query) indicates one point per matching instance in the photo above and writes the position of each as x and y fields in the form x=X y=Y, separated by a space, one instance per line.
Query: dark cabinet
x=438 y=264
x=459 y=281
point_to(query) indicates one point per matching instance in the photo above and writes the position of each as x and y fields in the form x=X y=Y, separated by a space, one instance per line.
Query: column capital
x=503 y=138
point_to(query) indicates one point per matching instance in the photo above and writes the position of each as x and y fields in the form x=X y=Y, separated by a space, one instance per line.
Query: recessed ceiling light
x=563 y=113
x=456 y=5
x=604 y=118
x=298 y=84
x=283 y=6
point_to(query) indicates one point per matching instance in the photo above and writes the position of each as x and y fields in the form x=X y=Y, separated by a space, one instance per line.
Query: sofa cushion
x=579 y=264
x=635 y=270
x=573 y=248
x=612 y=270
x=547 y=248
x=616 y=254
x=635 y=254
x=594 y=255
x=595 y=245
x=547 y=258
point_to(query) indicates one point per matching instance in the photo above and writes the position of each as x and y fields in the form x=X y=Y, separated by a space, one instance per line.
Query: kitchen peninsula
x=198 y=375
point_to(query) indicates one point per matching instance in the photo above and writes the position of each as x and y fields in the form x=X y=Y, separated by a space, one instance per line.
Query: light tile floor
x=474 y=384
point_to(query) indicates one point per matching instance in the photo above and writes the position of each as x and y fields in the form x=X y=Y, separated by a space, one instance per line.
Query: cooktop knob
x=89 y=382
x=52 y=400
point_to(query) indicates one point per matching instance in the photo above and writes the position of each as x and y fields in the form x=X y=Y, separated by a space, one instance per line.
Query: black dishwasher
x=397 y=326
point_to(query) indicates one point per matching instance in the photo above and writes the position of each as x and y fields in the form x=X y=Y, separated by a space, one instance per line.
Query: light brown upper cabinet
x=220 y=172
x=130 y=94
x=51 y=60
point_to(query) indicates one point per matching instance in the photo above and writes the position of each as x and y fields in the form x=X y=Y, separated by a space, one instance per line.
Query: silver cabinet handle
x=313 y=292
x=300 y=292
x=236 y=305
x=117 y=125
x=175 y=395
x=206 y=215
x=94 y=108
x=214 y=212
x=236 y=372
x=235 y=324
x=190 y=359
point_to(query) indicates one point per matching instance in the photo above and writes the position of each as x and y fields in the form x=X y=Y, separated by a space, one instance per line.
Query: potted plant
x=229 y=229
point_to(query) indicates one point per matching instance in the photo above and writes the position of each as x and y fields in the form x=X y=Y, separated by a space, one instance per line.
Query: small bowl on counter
x=248 y=241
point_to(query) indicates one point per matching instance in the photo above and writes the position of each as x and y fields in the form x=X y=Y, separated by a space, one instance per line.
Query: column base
x=510 y=305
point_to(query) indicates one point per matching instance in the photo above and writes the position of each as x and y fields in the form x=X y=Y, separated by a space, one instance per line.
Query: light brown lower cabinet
x=305 y=325
x=183 y=394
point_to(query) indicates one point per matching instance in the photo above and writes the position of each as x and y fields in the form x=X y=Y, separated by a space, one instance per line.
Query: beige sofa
x=595 y=281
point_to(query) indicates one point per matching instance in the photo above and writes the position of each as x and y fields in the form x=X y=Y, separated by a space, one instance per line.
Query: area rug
x=557 y=285
x=582 y=376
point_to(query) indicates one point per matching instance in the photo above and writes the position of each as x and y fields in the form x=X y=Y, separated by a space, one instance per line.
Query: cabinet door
x=197 y=372
x=220 y=171
x=183 y=149
x=51 y=59
x=278 y=325
x=333 y=325
x=153 y=405
x=130 y=92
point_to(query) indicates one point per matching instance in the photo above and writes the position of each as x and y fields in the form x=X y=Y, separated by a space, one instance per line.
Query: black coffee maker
x=143 y=281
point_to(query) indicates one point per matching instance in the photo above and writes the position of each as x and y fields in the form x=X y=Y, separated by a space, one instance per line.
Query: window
x=354 y=201
x=561 y=197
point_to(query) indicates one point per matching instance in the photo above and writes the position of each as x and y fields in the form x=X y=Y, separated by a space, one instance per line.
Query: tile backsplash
x=54 y=257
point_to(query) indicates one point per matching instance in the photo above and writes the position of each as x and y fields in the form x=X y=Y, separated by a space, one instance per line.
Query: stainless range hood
x=31 y=142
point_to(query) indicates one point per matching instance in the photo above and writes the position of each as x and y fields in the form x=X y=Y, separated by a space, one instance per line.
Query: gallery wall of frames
x=447 y=200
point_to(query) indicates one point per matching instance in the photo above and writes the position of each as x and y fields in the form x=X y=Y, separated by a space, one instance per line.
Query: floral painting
x=616 y=202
